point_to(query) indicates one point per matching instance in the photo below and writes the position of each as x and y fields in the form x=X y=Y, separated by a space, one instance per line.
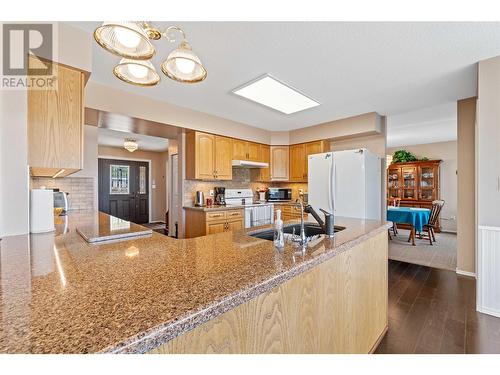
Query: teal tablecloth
x=409 y=215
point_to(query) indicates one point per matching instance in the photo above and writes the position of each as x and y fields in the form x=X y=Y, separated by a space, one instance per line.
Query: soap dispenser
x=279 y=235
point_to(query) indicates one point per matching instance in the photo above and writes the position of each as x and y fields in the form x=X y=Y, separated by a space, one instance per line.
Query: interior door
x=124 y=189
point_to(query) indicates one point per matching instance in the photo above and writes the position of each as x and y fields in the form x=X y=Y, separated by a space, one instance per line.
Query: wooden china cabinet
x=415 y=183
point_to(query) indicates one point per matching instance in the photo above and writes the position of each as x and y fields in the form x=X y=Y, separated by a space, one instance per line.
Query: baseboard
x=449 y=231
x=465 y=273
x=489 y=312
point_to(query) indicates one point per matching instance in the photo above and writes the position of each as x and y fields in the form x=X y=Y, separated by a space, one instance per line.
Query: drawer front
x=234 y=214
x=216 y=215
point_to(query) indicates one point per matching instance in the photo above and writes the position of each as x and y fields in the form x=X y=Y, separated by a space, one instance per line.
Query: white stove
x=256 y=213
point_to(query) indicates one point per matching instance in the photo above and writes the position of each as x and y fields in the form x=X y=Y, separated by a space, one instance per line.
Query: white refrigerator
x=347 y=183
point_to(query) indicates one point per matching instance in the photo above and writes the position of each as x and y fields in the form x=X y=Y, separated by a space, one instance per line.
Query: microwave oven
x=278 y=194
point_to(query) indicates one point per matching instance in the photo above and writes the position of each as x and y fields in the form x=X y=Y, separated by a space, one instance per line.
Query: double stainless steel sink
x=311 y=230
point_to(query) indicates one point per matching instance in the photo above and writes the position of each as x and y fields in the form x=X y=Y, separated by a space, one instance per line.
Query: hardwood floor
x=433 y=311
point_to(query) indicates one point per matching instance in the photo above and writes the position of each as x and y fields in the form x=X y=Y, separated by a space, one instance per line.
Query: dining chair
x=428 y=229
x=396 y=202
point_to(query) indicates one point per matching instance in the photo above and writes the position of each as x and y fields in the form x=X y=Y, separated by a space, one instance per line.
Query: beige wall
x=447 y=152
x=356 y=126
x=158 y=172
x=113 y=100
x=466 y=213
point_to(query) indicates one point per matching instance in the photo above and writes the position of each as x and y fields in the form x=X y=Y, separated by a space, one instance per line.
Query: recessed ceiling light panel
x=268 y=91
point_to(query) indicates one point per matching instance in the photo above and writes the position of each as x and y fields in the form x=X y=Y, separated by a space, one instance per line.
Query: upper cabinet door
x=265 y=173
x=205 y=148
x=55 y=124
x=279 y=163
x=298 y=163
x=240 y=149
x=253 y=152
x=223 y=158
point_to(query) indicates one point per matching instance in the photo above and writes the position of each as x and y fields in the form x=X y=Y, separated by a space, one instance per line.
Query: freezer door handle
x=330 y=187
x=334 y=185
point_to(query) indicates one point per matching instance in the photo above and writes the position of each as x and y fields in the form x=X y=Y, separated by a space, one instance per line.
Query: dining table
x=413 y=217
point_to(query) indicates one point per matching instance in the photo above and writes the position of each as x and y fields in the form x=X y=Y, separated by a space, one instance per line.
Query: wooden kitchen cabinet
x=244 y=150
x=298 y=158
x=223 y=158
x=288 y=211
x=208 y=156
x=297 y=162
x=263 y=174
x=279 y=163
x=254 y=151
x=55 y=124
x=200 y=223
x=240 y=149
x=213 y=228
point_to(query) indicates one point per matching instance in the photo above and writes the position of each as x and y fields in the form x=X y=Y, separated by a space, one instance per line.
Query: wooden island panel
x=340 y=306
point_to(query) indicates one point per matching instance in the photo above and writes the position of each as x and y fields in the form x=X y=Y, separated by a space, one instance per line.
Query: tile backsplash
x=80 y=190
x=241 y=179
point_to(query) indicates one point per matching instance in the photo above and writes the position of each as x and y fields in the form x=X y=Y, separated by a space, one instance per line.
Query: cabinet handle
x=216 y=215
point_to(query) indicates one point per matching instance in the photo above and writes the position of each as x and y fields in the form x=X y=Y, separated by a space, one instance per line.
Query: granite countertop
x=109 y=228
x=213 y=208
x=61 y=294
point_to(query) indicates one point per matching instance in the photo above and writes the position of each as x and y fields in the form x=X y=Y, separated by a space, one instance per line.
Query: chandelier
x=132 y=41
x=130 y=145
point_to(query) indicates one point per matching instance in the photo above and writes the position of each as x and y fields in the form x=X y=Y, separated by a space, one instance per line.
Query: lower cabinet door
x=235 y=224
x=216 y=227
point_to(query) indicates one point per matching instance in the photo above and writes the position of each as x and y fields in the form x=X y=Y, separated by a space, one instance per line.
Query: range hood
x=249 y=164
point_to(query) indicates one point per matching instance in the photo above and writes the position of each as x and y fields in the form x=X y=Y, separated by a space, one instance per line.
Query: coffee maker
x=220 y=195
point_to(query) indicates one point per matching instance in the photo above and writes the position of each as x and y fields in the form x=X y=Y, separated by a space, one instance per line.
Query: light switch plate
x=211 y=193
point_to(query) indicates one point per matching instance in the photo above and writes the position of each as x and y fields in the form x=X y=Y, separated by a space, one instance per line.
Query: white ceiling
x=427 y=125
x=350 y=67
x=114 y=138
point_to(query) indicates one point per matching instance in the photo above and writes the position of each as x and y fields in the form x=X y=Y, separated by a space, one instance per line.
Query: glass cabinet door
x=409 y=175
x=394 y=182
x=428 y=183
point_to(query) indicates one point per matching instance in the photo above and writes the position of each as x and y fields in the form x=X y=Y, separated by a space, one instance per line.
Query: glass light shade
x=130 y=145
x=183 y=65
x=125 y=39
x=137 y=72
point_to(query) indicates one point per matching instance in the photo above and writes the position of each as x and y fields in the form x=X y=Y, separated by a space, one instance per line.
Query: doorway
x=124 y=189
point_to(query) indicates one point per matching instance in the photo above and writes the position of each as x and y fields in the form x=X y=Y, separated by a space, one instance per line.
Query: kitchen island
x=222 y=293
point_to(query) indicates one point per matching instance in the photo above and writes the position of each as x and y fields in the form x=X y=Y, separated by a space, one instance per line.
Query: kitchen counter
x=62 y=295
x=108 y=228
x=213 y=208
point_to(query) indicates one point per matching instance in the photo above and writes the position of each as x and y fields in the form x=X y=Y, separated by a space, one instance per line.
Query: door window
x=142 y=180
x=119 y=179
